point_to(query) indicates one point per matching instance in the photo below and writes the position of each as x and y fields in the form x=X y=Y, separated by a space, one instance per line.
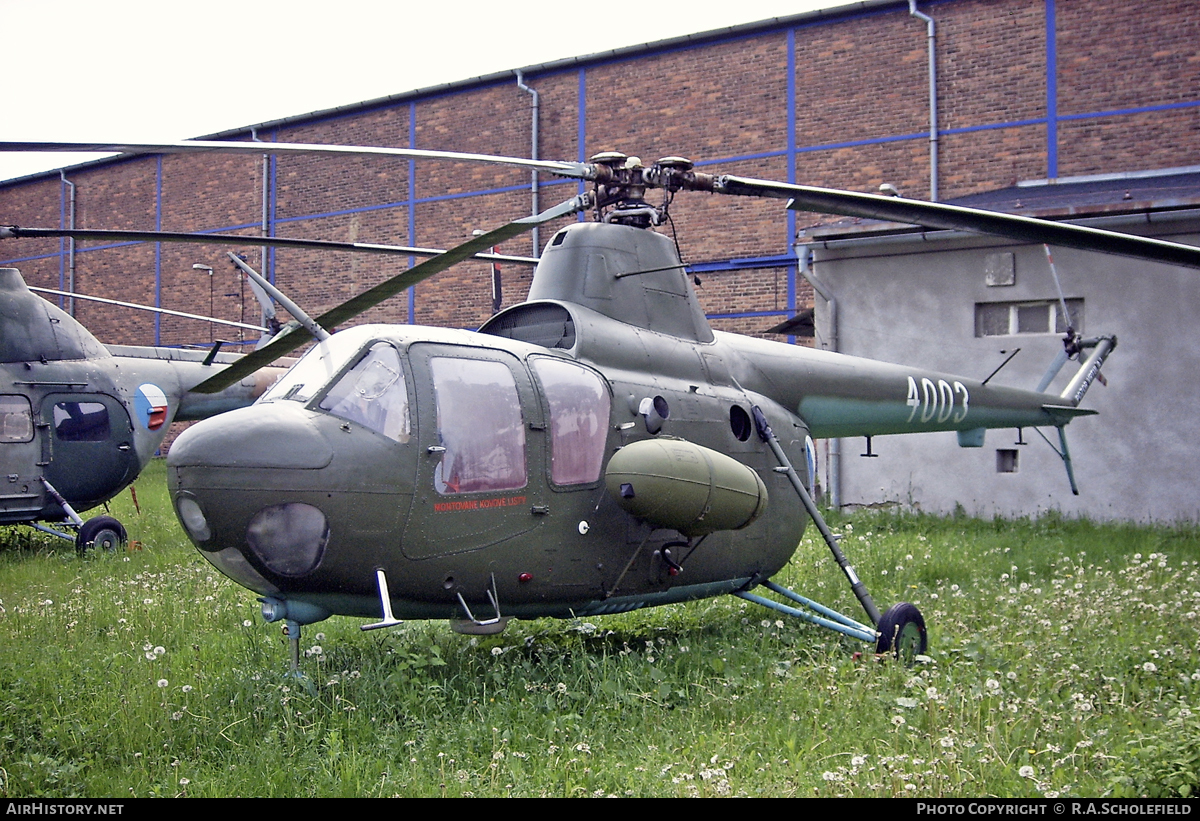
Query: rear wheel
x=103 y=532
x=902 y=633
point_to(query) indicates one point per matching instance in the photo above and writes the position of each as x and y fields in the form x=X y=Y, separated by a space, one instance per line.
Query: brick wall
x=1126 y=75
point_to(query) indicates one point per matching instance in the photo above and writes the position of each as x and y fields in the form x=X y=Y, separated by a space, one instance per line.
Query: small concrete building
x=964 y=304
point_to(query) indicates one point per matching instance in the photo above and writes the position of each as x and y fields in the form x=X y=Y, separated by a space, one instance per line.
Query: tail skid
x=1073 y=394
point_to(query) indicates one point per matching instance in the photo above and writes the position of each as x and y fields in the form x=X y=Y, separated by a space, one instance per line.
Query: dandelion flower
x=1026 y=772
x=1150 y=667
x=162 y=682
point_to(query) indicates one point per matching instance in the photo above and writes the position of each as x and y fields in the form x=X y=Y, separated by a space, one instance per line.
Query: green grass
x=1063 y=661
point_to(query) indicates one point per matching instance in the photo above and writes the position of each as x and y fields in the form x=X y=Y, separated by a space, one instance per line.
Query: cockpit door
x=481 y=454
x=90 y=446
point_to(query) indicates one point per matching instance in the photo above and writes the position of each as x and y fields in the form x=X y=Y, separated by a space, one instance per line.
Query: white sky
x=156 y=70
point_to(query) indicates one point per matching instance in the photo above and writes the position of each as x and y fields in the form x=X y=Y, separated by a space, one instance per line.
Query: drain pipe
x=933 y=118
x=533 y=155
x=70 y=245
x=266 y=225
x=806 y=266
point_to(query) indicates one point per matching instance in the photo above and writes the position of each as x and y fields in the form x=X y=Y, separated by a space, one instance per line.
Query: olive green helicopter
x=596 y=449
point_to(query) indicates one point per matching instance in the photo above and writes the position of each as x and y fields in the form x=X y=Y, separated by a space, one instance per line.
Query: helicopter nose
x=278 y=435
x=227 y=477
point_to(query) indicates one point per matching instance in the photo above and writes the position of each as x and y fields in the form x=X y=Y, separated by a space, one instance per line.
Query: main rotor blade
x=164 y=311
x=959 y=218
x=575 y=170
x=287 y=342
x=14 y=231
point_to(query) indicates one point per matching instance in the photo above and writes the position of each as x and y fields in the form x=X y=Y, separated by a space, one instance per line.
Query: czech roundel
x=151 y=406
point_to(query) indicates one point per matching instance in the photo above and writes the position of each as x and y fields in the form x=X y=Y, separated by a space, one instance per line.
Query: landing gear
x=103 y=532
x=902 y=633
x=899 y=632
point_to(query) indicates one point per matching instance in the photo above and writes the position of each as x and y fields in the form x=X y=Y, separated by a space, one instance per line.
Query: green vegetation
x=1064 y=661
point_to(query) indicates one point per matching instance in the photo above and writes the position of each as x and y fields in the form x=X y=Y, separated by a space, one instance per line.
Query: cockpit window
x=81 y=422
x=480 y=425
x=16 y=420
x=373 y=393
x=579 y=408
x=315 y=368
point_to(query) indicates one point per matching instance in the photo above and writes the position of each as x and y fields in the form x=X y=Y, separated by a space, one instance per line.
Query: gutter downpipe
x=931 y=34
x=533 y=155
x=806 y=266
x=70 y=245
x=265 y=229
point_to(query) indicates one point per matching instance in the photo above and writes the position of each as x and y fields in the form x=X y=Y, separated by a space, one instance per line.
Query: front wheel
x=902 y=633
x=103 y=532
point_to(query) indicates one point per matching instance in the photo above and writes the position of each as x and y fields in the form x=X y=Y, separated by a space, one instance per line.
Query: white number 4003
x=941 y=400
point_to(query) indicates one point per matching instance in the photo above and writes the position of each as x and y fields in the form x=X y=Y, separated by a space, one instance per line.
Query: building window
x=1011 y=318
x=1006 y=461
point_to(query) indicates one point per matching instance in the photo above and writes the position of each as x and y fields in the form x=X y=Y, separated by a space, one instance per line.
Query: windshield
x=317 y=367
x=373 y=393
